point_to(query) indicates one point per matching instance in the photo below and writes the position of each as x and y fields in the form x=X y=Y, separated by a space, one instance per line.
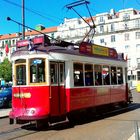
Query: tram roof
x=42 y=44
x=57 y=49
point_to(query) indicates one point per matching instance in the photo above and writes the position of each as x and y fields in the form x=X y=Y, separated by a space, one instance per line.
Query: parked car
x=6 y=97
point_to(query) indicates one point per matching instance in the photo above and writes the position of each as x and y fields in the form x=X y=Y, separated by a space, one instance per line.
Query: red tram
x=50 y=81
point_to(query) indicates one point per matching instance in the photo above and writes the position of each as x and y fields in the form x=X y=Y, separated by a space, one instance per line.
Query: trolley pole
x=23 y=20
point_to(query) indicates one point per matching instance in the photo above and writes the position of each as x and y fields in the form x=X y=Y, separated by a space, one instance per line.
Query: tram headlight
x=31 y=111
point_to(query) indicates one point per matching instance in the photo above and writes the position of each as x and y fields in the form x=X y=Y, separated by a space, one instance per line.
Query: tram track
x=21 y=136
x=17 y=132
x=26 y=130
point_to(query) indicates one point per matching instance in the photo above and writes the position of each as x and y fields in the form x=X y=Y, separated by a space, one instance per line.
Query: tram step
x=59 y=122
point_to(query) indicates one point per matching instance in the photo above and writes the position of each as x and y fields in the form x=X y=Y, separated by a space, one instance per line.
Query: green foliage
x=6 y=70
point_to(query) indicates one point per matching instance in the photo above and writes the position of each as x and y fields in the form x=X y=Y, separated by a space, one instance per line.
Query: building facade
x=119 y=30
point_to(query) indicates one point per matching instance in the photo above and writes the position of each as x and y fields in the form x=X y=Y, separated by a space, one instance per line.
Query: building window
x=137 y=23
x=137 y=47
x=126 y=36
x=102 y=40
x=113 y=38
x=112 y=27
x=1 y=54
x=129 y=62
x=138 y=62
x=52 y=35
x=127 y=48
x=2 y=44
x=9 y=43
x=137 y=35
x=6 y=41
x=126 y=26
x=101 y=19
x=101 y=29
x=13 y=42
x=13 y=49
x=126 y=17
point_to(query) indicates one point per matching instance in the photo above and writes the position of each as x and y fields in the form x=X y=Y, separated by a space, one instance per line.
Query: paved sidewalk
x=4 y=112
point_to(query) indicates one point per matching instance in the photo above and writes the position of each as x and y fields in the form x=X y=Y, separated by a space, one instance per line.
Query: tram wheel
x=123 y=104
x=41 y=124
x=11 y=121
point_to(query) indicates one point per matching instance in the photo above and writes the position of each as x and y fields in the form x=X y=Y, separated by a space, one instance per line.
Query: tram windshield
x=37 y=70
x=20 y=72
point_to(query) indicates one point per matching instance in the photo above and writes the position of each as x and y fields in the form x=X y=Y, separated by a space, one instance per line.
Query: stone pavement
x=4 y=112
x=133 y=137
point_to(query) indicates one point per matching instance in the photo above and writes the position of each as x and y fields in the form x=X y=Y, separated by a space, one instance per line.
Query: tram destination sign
x=22 y=43
x=94 y=49
x=38 y=40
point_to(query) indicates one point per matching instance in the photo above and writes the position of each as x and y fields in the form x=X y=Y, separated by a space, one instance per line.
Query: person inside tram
x=88 y=80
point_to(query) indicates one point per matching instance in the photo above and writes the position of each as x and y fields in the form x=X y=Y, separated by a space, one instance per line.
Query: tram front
x=30 y=92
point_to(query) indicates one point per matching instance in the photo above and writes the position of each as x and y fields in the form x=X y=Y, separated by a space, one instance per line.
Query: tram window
x=126 y=78
x=78 y=74
x=88 y=75
x=53 y=73
x=21 y=75
x=37 y=70
x=106 y=75
x=98 y=74
x=61 y=74
x=120 y=75
x=113 y=76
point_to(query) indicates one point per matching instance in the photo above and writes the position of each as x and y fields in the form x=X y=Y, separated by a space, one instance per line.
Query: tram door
x=57 y=89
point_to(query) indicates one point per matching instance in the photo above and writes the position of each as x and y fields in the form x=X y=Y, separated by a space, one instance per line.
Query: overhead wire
x=35 y=12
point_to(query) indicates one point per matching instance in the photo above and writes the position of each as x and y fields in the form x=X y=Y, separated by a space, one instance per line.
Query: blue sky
x=52 y=12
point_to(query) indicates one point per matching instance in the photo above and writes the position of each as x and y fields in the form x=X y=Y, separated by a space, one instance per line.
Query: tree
x=6 y=70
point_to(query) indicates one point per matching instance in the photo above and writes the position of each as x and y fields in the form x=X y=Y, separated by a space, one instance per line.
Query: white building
x=119 y=30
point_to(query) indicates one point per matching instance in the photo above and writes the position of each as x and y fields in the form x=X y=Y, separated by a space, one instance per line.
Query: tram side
x=47 y=87
x=96 y=82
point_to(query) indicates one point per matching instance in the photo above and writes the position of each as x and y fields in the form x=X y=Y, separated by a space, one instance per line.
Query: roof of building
x=31 y=32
